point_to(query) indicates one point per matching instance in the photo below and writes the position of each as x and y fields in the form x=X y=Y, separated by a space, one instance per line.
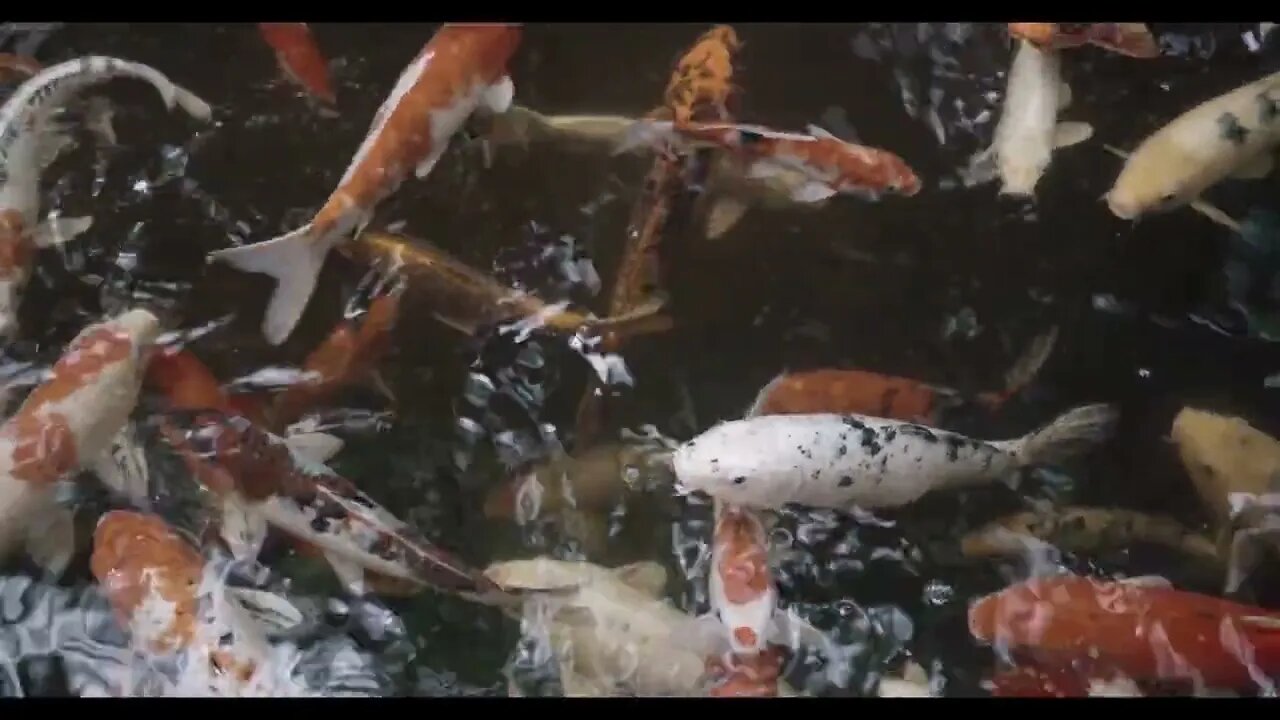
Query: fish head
x=1158 y=176
x=741 y=586
x=150 y=575
x=727 y=461
x=1020 y=174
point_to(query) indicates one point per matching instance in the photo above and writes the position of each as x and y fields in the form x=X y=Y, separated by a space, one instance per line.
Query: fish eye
x=739 y=479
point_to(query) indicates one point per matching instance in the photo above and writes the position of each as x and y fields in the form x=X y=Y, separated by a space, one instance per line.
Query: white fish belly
x=1024 y=135
x=835 y=461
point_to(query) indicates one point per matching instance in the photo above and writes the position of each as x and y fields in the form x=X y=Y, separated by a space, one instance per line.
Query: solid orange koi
x=864 y=392
x=1146 y=631
x=300 y=58
x=461 y=70
x=1132 y=39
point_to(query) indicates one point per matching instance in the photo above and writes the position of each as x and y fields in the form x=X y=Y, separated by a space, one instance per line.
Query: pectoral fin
x=51 y=542
x=1064 y=96
x=648 y=577
x=982 y=168
x=723 y=214
x=498 y=96
x=349 y=574
x=58 y=230
x=316 y=447
x=1067 y=134
x=812 y=192
x=424 y=168
x=273 y=612
x=1255 y=169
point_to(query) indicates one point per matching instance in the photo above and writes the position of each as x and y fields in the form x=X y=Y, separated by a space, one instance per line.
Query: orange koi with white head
x=741 y=585
x=461 y=70
x=831 y=164
x=65 y=425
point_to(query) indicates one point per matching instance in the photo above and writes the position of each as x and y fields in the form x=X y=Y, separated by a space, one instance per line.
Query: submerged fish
x=1140 y=627
x=847 y=461
x=461 y=70
x=831 y=165
x=32 y=136
x=300 y=58
x=1132 y=39
x=468 y=300
x=1232 y=135
x=1084 y=529
x=1028 y=130
x=870 y=393
x=64 y=426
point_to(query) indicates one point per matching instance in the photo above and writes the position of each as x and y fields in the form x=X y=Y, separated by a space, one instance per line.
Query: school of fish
x=205 y=480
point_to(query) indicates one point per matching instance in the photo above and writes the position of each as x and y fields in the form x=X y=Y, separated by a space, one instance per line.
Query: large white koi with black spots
x=1232 y=135
x=31 y=138
x=64 y=426
x=264 y=481
x=848 y=461
x=462 y=69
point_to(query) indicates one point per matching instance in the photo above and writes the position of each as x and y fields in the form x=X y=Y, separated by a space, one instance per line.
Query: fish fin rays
x=294 y=260
x=1067 y=134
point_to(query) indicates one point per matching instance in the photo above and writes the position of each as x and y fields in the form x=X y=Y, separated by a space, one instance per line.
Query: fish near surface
x=610 y=626
x=300 y=58
x=1132 y=39
x=743 y=594
x=64 y=426
x=1232 y=464
x=32 y=137
x=461 y=70
x=847 y=461
x=1232 y=135
x=870 y=393
x=179 y=609
x=831 y=165
x=1028 y=130
x=1144 y=629
x=261 y=480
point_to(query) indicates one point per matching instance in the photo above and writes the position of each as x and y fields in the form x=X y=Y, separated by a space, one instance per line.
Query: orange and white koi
x=1141 y=627
x=263 y=481
x=1028 y=130
x=19 y=66
x=1132 y=39
x=755 y=675
x=178 y=607
x=1232 y=135
x=300 y=58
x=63 y=427
x=870 y=393
x=742 y=591
x=31 y=138
x=831 y=164
x=461 y=70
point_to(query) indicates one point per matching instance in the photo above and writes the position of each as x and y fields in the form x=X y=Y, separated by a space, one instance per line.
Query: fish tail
x=1024 y=369
x=1132 y=39
x=645 y=132
x=294 y=260
x=1071 y=433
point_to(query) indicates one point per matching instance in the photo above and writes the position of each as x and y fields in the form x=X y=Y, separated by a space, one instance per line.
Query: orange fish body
x=18 y=66
x=1132 y=39
x=741 y=584
x=1147 y=633
x=300 y=58
x=348 y=355
x=461 y=70
x=753 y=676
x=849 y=391
x=188 y=384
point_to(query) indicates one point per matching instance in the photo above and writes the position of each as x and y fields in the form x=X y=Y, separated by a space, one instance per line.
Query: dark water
x=873 y=286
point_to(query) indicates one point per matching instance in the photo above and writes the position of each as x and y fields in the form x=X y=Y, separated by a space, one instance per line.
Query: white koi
x=851 y=461
x=1028 y=131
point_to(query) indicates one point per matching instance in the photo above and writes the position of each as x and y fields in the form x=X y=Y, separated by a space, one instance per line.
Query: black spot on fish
x=814 y=475
x=842 y=451
x=1267 y=108
x=1230 y=129
x=889 y=435
x=954 y=443
x=918 y=431
x=845 y=481
x=319 y=523
x=740 y=480
x=226 y=639
x=362 y=500
x=884 y=463
x=747 y=138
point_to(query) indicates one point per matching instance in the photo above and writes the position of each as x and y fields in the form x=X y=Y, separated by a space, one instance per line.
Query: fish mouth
x=1120 y=209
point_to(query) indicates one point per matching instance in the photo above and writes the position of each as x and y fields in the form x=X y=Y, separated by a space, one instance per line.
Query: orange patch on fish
x=755 y=676
x=135 y=555
x=743 y=557
x=300 y=58
x=703 y=77
x=848 y=391
x=84 y=360
x=16 y=249
x=44 y=447
x=18 y=67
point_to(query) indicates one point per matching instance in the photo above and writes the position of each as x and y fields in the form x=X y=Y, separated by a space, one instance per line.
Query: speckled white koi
x=462 y=69
x=64 y=426
x=1028 y=130
x=848 y=461
x=1232 y=135
x=31 y=138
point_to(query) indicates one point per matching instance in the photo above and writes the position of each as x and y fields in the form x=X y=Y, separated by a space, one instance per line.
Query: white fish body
x=1234 y=134
x=1028 y=130
x=848 y=461
x=32 y=137
x=94 y=388
x=610 y=628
